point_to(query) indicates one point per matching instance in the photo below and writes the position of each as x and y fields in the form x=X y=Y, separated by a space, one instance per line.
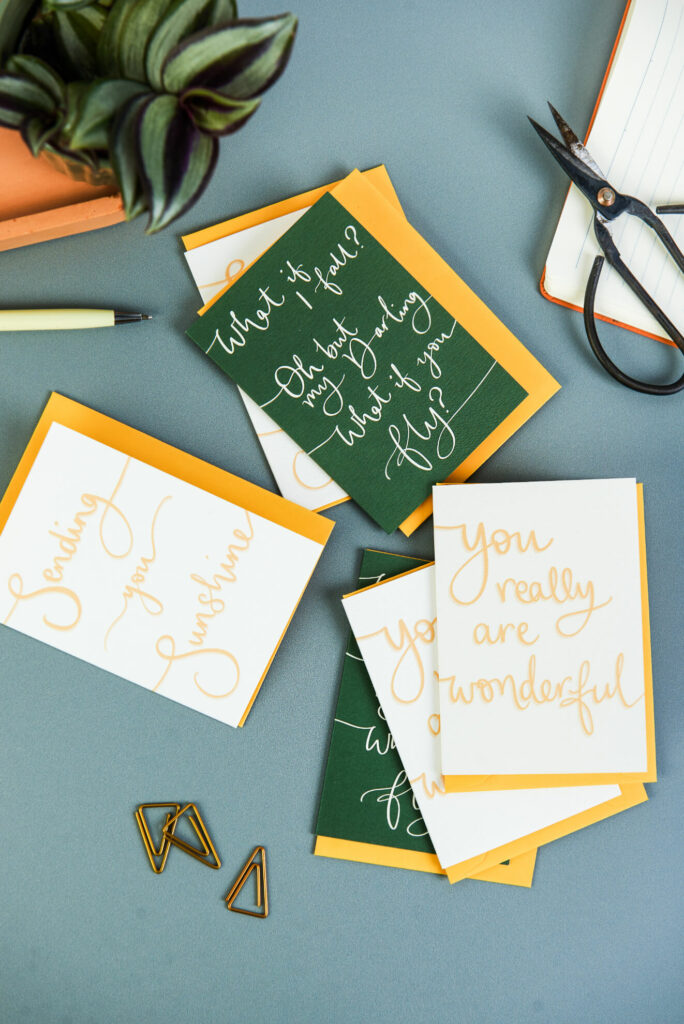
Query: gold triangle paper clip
x=261 y=881
x=207 y=847
x=157 y=855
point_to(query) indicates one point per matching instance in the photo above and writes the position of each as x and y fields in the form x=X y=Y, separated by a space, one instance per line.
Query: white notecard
x=542 y=663
x=147 y=575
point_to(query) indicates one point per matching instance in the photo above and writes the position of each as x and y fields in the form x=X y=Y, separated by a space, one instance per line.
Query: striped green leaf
x=241 y=60
x=21 y=99
x=123 y=146
x=37 y=132
x=217 y=114
x=77 y=35
x=222 y=11
x=14 y=15
x=136 y=33
x=66 y=5
x=91 y=107
x=39 y=72
x=183 y=18
x=176 y=160
x=110 y=58
x=265 y=66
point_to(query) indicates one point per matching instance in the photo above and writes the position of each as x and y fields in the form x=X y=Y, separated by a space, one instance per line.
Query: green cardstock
x=357 y=362
x=366 y=795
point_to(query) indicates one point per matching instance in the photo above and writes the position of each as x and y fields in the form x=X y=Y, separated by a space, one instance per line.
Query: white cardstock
x=140 y=573
x=541 y=658
x=213 y=266
x=395 y=626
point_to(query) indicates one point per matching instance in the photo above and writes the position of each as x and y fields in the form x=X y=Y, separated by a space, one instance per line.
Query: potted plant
x=137 y=89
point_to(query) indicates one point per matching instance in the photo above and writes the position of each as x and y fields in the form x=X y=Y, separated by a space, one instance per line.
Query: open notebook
x=637 y=139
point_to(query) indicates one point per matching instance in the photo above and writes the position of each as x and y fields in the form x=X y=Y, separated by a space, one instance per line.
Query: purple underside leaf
x=240 y=60
x=216 y=114
x=176 y=160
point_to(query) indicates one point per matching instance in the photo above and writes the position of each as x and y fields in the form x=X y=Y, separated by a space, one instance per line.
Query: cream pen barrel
x=65 y=319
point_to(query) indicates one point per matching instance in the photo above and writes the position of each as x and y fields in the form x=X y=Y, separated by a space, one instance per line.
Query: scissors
x=609 y=204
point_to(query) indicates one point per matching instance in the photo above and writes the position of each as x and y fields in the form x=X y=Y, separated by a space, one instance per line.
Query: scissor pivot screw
x=606 y=196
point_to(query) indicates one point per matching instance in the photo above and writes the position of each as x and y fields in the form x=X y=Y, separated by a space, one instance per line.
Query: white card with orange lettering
x=544 y=649
x=147 y=562
x=396 y=627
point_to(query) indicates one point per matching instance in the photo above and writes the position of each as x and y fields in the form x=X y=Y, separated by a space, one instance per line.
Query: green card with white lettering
x=359 y=341
x=366 y=795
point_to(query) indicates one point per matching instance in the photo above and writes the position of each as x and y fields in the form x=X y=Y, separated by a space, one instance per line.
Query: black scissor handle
x=646 y=214
x=605 y=240
x=598 y=349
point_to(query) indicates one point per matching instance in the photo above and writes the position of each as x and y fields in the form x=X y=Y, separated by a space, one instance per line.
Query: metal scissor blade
x=587 y=181
x=573 y=143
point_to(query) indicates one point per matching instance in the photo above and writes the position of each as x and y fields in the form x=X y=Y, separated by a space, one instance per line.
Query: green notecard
x=366 y=795
x=358 y=362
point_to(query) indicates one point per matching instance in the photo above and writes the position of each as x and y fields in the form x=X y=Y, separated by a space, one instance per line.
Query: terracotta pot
x=38 y=203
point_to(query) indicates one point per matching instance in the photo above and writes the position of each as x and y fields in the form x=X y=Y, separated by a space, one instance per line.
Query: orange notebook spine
x=542 y=288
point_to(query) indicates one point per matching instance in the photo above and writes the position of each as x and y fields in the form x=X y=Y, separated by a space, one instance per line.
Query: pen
x=64 y=319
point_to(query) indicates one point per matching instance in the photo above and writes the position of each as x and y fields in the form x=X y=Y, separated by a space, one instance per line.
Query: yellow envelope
x=517 y=871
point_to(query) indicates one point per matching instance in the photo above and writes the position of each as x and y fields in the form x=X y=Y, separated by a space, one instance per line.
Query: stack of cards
x=369 y=369
x=512 y=677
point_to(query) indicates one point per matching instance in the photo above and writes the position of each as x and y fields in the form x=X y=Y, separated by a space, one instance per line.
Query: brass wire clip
x=157 y=855
x=262 y=885
x=207 y=847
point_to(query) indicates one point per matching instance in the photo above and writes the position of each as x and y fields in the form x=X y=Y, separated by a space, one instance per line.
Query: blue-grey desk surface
x=439 y=91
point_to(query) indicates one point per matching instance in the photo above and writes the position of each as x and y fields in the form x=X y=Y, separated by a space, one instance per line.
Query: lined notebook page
x=638 y=142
